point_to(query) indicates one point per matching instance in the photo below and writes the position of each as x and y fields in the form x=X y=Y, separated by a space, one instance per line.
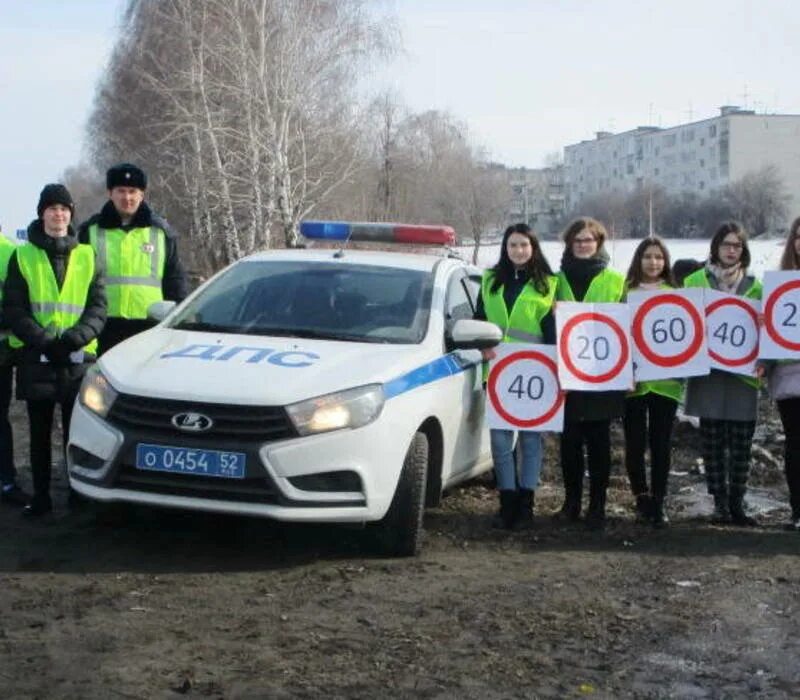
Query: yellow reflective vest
x=607 y=286
x=54 y=308
x=133 y=262
x=7 y=249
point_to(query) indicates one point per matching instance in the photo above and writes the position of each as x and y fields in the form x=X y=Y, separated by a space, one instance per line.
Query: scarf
x=728 y=278
x=581 y=271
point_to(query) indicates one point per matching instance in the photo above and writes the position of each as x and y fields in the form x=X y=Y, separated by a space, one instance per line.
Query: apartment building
x=699 y=156
x=538 y=198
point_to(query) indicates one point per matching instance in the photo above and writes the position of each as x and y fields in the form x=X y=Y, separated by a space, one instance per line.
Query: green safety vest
x=7 y=249
x=524 y=323
x=133 y=263
x=53 y=308
x=607 y=286
x=699 y=279
x=671 y=388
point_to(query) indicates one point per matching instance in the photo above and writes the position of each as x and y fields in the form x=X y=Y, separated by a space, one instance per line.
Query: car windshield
x=335 y=301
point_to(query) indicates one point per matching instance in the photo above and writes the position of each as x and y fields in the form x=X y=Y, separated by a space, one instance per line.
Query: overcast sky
x=527 y=76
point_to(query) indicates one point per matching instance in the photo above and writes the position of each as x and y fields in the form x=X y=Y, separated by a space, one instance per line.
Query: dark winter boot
x=644 y=508
x=507 y=517
x=596 y=515
x=738 y=516
x=570 y=510
x=525 y=508
x=659 y=518
x=721 y=513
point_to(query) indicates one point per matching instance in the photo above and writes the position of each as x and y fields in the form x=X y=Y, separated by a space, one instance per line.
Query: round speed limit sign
x=667 y=330
x=523 y=390
x=732 y=332
x=593 y=347
x=782 y=315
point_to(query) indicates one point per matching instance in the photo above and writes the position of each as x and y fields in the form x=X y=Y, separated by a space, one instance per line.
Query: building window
x=657 y=171
x=712 y=130
x=702 y=185
x=702 y=163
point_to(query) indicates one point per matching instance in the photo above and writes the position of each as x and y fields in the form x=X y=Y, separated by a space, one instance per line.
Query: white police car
x=333 y=386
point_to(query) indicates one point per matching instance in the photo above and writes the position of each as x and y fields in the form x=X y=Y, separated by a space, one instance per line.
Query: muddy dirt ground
x=181 y=605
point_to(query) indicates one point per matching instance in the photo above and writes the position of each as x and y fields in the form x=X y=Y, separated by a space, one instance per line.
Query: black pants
x=648 y=421
x=40 y=419
x=726 y=453
x=596 y=436
x=8 y=474
x=790 y=417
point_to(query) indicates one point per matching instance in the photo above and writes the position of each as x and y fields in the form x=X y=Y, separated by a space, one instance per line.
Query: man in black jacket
x=137 y=250
x=55 y=305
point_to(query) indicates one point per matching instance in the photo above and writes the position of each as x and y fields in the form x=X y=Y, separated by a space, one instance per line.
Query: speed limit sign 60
x=732 y=332
x=780 y=336
x=523 y=389
x=593 y=346
x=668 y=332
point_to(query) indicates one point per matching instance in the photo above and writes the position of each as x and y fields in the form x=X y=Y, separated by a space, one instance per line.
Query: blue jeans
x=504 y=463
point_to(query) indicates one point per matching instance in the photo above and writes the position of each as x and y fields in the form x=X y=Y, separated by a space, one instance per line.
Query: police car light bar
x=378 y=232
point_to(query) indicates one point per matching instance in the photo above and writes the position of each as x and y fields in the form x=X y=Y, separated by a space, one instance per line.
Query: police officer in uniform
x=138 y=252
x=10 y=492
x=54 y=302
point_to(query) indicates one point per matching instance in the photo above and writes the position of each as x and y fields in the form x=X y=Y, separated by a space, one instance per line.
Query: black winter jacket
x=54 y=378
x=174 y=286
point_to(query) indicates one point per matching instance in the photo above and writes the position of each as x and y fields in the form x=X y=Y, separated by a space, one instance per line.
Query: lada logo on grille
x=192 y=422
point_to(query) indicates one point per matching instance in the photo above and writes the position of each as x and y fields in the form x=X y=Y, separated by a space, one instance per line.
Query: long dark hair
x=537 y=268
x=790 y=260
x=634 y=277
x=724 y=229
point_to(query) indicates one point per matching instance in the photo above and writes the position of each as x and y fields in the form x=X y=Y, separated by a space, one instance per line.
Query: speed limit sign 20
x=780 y=335
x=523 y=389
x=668 y=332
x=593 y=346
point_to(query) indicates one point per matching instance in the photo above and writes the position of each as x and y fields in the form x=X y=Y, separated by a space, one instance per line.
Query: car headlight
x=342 y=409
x=96 y=392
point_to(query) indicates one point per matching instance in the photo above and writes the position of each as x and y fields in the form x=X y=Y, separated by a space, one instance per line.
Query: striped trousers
x=726 y=452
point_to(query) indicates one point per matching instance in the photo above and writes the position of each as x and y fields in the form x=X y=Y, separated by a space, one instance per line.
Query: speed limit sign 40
x=523 y=389
x=668 y=332
x=732 y=332
x=780 y=335
x=593 y=346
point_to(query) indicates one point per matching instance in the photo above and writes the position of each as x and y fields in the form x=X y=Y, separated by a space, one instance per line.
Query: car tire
x=399 y=532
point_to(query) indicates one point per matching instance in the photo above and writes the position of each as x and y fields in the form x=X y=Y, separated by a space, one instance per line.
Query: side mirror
x=159 y=310
x=474 y=335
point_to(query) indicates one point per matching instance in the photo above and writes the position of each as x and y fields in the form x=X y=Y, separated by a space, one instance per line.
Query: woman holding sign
x=650 y=408
x=784 y=388
x=726 y=403
x=585 y=277
x=517 y=294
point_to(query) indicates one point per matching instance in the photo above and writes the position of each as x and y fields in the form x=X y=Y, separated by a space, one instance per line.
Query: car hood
x=257 y=370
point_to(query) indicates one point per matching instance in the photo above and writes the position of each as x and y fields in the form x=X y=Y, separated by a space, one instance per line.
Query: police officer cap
x=125 y=175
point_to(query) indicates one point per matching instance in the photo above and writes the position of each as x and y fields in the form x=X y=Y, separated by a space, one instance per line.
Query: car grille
x=230 y=422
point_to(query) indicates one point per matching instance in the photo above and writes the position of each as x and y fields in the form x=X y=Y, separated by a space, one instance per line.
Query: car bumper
x=101 y=465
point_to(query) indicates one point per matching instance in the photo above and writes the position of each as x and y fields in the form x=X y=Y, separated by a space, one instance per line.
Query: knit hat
x=125 y=175
x=54 y=193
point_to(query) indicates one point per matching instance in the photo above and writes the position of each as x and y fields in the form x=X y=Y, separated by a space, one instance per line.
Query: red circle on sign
x=769 y=310
x=638 y=337
x=593 y=316
x=741 y=304
x=491 y=388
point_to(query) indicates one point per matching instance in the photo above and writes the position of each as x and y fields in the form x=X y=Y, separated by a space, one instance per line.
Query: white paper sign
x=732 y=332
x=594 y=346
x=780 y=334
x=668 y=331
x=522 y=389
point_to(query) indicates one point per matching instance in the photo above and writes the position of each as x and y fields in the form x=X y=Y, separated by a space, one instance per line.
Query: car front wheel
x=399 y=533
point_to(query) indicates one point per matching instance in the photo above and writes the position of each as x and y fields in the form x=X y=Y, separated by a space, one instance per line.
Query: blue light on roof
x=328 y=230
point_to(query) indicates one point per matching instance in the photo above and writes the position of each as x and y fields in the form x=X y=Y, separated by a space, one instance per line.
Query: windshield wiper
x=203 y=326
x=312 y=333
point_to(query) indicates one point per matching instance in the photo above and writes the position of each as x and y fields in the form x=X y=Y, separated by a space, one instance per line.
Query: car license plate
x=183 y=460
